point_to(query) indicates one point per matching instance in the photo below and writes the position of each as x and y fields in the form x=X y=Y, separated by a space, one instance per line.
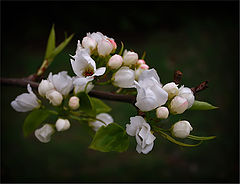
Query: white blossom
x=26 y=101
x=44 y=87
x=172 y=89
x=62 y=124
x=44 y=134
x=62 y=82
x=187 y=93
x=130 y=58
x=162 y=112
x=115 y=61
x=84 y=66
x=178 y=105
x=124 y=77
x=181 y=129
x=106 y=118
x=80 y=84
x=150 y=94
x=54 y=97
x=73 y=102
x=139 y=128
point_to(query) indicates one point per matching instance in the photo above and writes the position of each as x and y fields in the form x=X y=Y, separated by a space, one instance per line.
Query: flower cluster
x=96 y=59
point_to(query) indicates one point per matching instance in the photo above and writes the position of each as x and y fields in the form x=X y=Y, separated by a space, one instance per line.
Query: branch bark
x=22 y=82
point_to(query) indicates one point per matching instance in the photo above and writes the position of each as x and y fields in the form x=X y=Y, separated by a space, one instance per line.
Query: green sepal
x=51 y=43
x=178 y=142
x=199 y=105
x=100 y=106
x=197 y=138
x=110 y=138
x=121 y=50
x=34 y=119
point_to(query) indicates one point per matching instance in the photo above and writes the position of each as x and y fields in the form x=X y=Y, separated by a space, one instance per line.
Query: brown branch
x=200 y=87
x=94 y=93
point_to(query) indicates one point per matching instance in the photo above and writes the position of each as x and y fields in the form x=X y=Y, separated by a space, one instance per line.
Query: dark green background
x=198 y=38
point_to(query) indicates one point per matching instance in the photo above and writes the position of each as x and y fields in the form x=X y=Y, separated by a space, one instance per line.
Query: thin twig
x=22 y=82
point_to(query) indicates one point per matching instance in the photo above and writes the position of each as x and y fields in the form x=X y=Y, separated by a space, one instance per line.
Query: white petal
x=148 y=74
x=100 y=71
x=150 y=138
x=105 y=118
x=139 y=148
x=147 y=148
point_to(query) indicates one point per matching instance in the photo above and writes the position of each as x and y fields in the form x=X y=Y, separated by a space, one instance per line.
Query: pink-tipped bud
x=113 y=43
x=73 y=103
x=144 y=66
x=162 y=112
x=178 y=105
x=141 y=61
x=115 y=61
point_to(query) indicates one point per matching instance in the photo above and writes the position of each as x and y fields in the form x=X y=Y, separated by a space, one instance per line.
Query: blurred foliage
x=199 y=39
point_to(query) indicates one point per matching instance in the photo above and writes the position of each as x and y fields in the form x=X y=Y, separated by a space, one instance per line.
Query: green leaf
x=33 y=120
x=86 y=104
x=110 y=138
x=197 y=138
x=178 y=142
x=59 y=48
x=198 y=105
x=51 y=43
x=100 y=106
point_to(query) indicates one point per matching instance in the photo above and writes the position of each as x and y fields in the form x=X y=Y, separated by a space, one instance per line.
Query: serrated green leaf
x=51 y=43
x=197 y=138
x=59 y=48
x=178 y=142
x=110 y=138
x=100 y=106
x=86 y=104
x=33 y=120
x=198 y=105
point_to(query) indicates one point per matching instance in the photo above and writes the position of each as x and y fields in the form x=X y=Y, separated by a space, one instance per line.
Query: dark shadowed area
x=198 y=38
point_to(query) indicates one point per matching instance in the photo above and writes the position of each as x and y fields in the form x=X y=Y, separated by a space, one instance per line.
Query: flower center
x=88 y=72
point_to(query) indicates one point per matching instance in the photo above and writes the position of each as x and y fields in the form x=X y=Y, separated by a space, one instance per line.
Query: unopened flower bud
x=130 y=58
x=55 y=97
x=73 y=103
x=162 y=112
x=181 y=129
x=188 y=94
x=144 y=66
x=115 y=61
x=89 y=43
x=44 y=134
x=62 y=124
x=104 y=47
x=114 y=45
x=124 y=77
x=141 y=61
x=44 y=87
x=178 y=105
x=172 y=89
